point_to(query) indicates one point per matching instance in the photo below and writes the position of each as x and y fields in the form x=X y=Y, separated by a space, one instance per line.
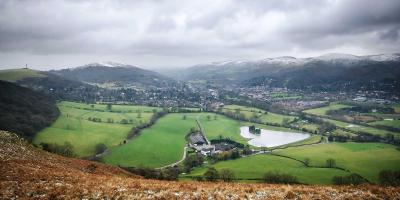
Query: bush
x=65 y=150
x=388 y=177
x=170 y=173
x=100 y=148
x=91 y=168
x=226 y=175
x=307 y=162
x=276 y=177
x=352 y=179
x=330 y=163
x=211 y=174
x=193 y=161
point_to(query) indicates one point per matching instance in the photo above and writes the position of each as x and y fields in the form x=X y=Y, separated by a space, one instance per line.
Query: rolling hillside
x=30 y=173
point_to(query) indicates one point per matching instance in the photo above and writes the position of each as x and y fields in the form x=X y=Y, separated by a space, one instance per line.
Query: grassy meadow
x=397 y=108
x=354 y=127
x=221 y=126
x=322 y=110
x=264 y=117
x=366 y=159
x=73 y=126
x=114 y=108
x=395 y=123
x=156 y=146
x=254 y=167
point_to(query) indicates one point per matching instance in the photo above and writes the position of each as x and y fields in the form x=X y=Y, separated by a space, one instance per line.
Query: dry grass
x=29 y=173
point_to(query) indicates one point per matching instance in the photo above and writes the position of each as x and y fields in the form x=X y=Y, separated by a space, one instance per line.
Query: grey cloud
x=183 y=33
x=392 y=34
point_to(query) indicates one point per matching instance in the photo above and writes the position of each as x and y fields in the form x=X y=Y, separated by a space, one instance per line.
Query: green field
x=366 y=129
x=311 y=140
x=395 y=123
x=114 y=108
x=73 y=126
x=13 y=75
x=222 y=126
x=250 y=112
x=308 y=126
x=322 y=110
x=157 y=146
x=366 y=159
x=253 y=167
x=343 y=133
x=397 y=108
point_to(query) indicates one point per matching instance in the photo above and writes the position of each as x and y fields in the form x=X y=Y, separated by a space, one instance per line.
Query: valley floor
x=30 y=173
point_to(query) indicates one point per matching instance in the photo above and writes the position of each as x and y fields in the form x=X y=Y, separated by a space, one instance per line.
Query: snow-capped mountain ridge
x=290 y=60
x=106 y=64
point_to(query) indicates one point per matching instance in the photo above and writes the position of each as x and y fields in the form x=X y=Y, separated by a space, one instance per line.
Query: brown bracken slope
x=30 y=173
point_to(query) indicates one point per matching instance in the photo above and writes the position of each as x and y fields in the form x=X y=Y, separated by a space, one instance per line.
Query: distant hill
x=13 y=75
x=325 y=76
x=53 y=85
x=30 y=173
x=25 y=111
x=114 y=75
x=326 y=71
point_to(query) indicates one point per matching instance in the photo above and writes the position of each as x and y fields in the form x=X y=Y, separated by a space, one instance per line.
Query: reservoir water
x=269 y=138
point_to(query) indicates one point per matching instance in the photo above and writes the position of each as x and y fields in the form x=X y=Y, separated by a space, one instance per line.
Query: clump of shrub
x=100 y=148
x=211 y=174
x=91 y=168
x=94 y=119
x=389 y=177
x=192 y=161
x=352 y=179
x=277 y=177
x=226 y=155
x=331 y=163
x=65 y=150
x=170 y=173
x=135 y=131
x=226 y=175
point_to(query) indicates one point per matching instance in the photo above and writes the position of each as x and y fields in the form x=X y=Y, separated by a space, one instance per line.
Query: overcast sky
x=161 y=34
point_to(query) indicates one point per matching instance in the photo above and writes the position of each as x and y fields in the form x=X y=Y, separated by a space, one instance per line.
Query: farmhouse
x=206 y=149
x=196 y=139
x=219 y=147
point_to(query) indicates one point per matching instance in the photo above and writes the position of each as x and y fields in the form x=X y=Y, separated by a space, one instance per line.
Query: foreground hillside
x=30 y=173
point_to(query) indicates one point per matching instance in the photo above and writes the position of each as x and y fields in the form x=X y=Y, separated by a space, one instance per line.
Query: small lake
x=269 y=138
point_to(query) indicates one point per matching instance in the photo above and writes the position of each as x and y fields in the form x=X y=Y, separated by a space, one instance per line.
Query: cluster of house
x=201 y=145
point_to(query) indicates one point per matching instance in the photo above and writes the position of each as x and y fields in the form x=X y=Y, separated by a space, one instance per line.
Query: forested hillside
x=25 y=111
